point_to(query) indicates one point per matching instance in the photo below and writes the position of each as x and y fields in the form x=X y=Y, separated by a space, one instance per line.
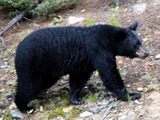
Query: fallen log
x=19 y=17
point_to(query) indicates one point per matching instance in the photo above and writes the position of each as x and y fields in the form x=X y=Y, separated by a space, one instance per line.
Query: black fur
x=47 y=54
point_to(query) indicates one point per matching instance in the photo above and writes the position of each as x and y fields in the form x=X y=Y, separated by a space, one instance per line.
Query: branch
x=19 y=17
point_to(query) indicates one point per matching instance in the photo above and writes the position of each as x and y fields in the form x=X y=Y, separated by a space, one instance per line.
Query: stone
x=137 y=102
x=2 y=90
x=85 y=114
x=140 y=89
x=2 y=105
x=95 y=109
x=128 y=85
x=68 y=109
x=8 y=95
x=130 y=115
x=4 y=65
x=12 y=106
x=138 y=8
x=158 y=56
x=1 y=112
x=105 y=102
x=16 y=114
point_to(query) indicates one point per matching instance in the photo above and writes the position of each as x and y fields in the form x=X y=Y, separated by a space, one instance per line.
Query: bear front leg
x=76 y=83
x=112 y=80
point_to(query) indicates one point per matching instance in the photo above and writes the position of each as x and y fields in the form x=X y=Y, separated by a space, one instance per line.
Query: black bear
x=49 y=53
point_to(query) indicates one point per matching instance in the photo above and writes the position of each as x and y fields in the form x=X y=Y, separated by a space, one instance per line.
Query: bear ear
x=120 y=35
x=134 y=26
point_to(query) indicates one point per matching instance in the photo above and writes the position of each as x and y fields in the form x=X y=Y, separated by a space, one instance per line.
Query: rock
x=140 y=89
x=41 y=108
x=57 y=99
x=4 y=65
x=8 y=95
x=1 y=112
x=1 y=41
x=73 y=20
x=85 y=114
x=68 y=109
x=158 y=56
x=95 y=109
x=138 y=8
x=123 y=117
x=105 y=102
x=12 y=106
x=2 y=105
x=16 y=114
x=128 y=85
x=2 y=90
x=137 y=102
x=130 y=115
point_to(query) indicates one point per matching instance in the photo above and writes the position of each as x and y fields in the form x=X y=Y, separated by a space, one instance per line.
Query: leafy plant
x=93 y=97
x=129 y=97
x=58 y=19
x=113 y=21
x=90 y=22
x=14 y=7
x=60 y=112
x=74 y=113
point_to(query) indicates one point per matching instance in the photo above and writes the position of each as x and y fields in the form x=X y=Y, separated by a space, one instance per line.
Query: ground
x=139 y=75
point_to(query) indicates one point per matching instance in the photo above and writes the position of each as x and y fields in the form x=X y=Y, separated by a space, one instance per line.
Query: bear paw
x=130 y=96
x=134 y=96
x=76 y=101
x=27 y=109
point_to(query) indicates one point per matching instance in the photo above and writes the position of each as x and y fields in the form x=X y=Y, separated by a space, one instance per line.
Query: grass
x=113 y=21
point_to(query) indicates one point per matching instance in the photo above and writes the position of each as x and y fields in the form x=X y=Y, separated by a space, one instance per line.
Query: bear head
x=130 y=43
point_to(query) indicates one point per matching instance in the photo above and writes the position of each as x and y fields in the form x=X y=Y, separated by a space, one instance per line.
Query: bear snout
x=142 y=52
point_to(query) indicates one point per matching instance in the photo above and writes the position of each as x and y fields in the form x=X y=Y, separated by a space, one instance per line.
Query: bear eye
x=137 y=44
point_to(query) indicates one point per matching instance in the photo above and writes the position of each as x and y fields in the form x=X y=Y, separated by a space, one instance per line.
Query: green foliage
x=145 y=39
x=114 y=1
x=74 y=113
x=49 y=115
x=115 y=9
x=148 y=78
x=58 y=19
x=16 y=4
x=129 y=97
x=47 y=6
x=90 y=22
x=60 y=112
x=113 y=21
x=93 y=97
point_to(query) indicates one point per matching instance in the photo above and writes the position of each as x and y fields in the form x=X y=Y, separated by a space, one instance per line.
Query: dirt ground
x=139 y=75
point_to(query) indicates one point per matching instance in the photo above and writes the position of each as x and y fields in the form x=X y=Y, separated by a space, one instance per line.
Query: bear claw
x=76 y=101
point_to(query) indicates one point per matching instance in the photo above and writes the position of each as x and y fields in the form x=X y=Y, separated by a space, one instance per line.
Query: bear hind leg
x=26 y=91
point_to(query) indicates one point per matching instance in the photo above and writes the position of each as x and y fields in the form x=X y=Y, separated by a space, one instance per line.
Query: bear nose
x=142 y=53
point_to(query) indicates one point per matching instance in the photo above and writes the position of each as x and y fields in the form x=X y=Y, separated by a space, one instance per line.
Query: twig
x=1 y=41
x=107 y=110
x=29 y=19
x=19 y=17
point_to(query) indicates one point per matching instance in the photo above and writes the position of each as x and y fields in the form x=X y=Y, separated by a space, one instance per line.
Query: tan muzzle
x=142 y=53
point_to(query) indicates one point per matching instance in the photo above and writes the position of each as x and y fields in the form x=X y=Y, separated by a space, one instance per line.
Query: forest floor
x=138 y=75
